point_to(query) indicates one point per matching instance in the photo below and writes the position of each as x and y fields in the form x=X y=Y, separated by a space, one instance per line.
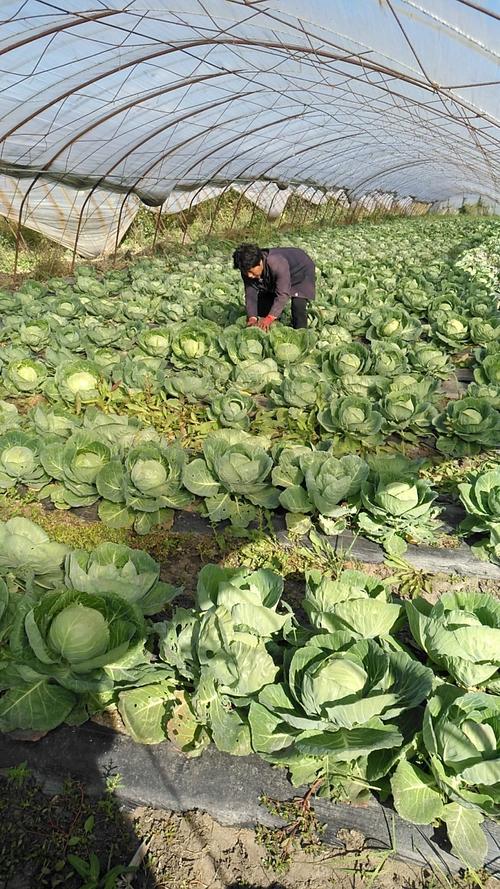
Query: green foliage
x=466 y=425
x=460 y=778
x=461 y=635
x=480 y=495
x=337 y=699
x=233 y=464
x=353 y=419
x=164 y=340
x=397 y=510
x=232 y=409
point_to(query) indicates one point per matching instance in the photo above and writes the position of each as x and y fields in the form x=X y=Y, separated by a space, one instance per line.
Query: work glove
x=265 y=323
x=251 y=322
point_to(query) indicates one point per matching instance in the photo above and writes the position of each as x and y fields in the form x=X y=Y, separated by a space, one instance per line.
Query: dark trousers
x=299 y=308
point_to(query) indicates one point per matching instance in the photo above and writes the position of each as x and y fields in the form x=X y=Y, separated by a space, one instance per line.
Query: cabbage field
x=329 y=424
x=140 y=392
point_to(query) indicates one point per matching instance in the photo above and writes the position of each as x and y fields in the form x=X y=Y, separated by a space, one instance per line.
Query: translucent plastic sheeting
x=268 y=196
x=393 y=96
x=56 y=212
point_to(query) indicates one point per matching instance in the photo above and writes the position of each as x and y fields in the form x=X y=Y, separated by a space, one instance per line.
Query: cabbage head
x=155 y=341
x=336 y=714
x=129 y=573
x=425 y=358
x=452 y=329
x=247 y=344
x=120 y=431
x=460 y=778
x=405 y=414
x=193 y=340
x=24 y=376
x=353 y=420
x=222 y=646
x=300 y=388
x=255 y=376
x=349 y=359
x=485 y=330
x=461 y=635
x=289 y=346
x=64 y=647
x=388 y=359
x=192 y=384
x=29 y=555
x=398 y=505
x=137 y=492
x=35 y=334
x=76 y=382
x=232 y=409
x=75 y=464
x=393 y=323
x=139 y=372
x=332 y=335
x=20 y=461
x=488 y=371
x=354 y=601
x=50 y=420
x=467 y=426
x=480 y=495
x=9 y=416
x=328 y=481
x=233 y=463
x=70 y=337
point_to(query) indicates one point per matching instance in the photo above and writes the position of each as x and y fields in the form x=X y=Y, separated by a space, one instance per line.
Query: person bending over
x=273 y=276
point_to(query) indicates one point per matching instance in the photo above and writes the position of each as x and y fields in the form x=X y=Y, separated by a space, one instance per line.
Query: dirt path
x=192 y=851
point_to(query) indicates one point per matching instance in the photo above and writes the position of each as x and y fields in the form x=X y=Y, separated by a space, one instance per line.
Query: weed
x=18 y=775
x=91 y=872
x=302 y=830
x=40 y=833
x=410 y=581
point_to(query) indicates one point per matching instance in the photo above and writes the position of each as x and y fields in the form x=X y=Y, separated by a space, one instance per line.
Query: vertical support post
x=118 y=227
x=78 y=229
x=157 y=227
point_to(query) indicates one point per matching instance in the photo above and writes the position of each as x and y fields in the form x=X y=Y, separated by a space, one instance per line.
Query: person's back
x=300 y=264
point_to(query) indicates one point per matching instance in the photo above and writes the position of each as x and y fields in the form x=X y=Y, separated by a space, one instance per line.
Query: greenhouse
x=249 y=443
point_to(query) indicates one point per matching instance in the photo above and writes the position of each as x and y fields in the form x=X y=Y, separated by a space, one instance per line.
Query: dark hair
x=246 y=257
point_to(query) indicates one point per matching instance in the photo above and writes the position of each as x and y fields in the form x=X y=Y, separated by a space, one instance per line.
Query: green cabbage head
x=461 y=635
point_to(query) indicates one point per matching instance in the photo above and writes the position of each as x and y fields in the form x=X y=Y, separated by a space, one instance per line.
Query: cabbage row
x=338 y=698
x=290 y=380
x=136 y=477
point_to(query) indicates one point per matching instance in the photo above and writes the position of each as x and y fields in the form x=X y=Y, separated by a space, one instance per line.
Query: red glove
x=265 y=323
x=251 y=322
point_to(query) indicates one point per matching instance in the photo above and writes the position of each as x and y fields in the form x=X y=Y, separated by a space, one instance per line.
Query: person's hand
x=251 y=322
x=265 y=323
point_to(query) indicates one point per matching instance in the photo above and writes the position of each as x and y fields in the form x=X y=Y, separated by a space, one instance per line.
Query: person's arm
x=283 y=284
x=251 y=297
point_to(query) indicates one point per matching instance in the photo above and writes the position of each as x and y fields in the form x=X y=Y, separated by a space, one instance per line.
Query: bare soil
x=192 y=851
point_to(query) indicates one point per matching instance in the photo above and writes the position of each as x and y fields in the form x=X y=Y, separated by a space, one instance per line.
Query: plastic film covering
x=56 y=211
x=397 y=97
